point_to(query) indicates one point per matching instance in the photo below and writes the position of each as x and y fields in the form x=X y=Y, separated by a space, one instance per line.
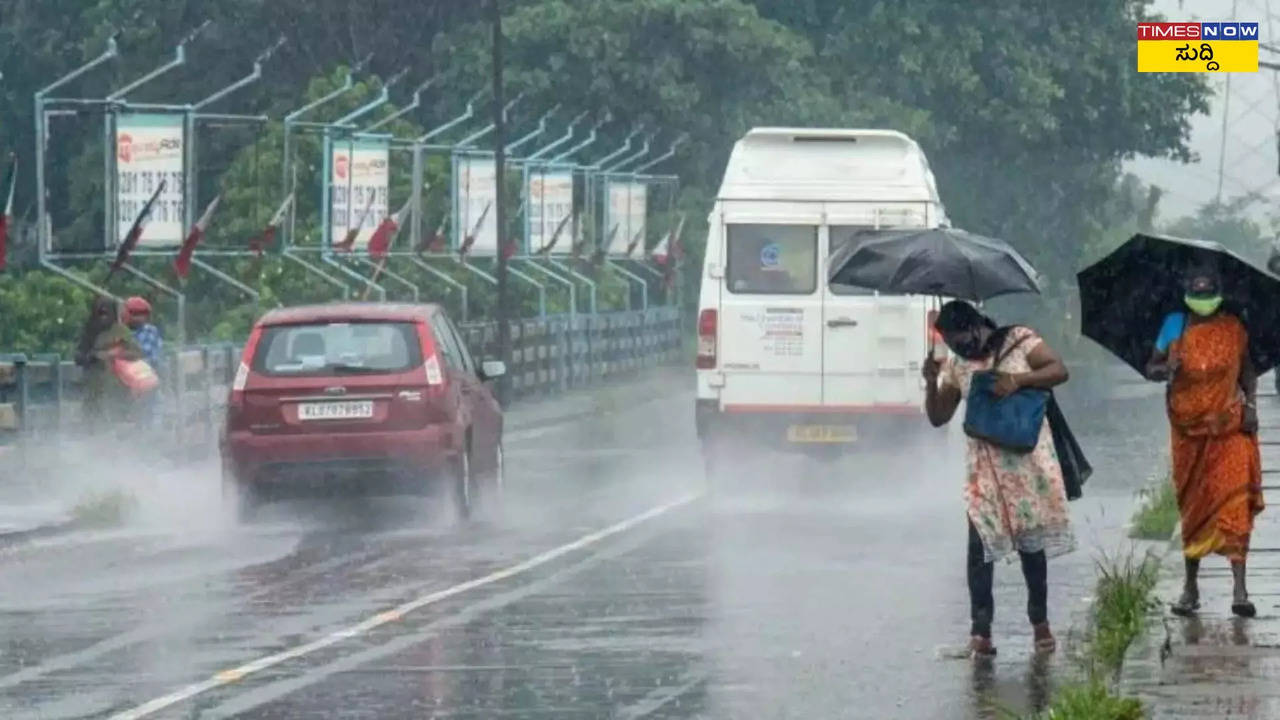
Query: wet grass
x=1092 y=701
x=1124 y=597
x=1157 y=515
x=103 y=509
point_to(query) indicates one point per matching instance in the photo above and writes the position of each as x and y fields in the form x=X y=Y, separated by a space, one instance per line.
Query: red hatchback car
x=361 y=397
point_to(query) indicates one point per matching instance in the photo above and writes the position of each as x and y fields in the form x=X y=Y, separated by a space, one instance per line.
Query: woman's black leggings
x=982 y=604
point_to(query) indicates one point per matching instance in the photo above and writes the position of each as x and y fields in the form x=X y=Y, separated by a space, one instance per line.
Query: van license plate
x=821 y=434
x=347 y=410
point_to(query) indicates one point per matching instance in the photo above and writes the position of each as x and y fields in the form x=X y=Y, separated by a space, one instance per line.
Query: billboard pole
x=43 y=235
x=287 y=160
x=110 y=226
x=500 y=161
x=568 y=135
x=415 y=234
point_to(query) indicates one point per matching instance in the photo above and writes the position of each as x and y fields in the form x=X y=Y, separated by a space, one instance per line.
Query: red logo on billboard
x=340 y=165
x=124 y=147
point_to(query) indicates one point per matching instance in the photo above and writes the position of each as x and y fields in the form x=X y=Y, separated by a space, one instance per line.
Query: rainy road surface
x=611 y=587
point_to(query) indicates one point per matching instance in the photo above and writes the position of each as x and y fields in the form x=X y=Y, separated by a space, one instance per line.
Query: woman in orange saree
x=1217 y=468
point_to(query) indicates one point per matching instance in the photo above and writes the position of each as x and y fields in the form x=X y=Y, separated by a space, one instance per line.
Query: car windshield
x=338 y=348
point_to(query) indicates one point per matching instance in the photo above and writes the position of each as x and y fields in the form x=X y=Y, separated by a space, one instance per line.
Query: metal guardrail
x=40 y=395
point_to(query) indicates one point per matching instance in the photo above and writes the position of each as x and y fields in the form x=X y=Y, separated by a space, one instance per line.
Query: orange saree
x=1217 y=468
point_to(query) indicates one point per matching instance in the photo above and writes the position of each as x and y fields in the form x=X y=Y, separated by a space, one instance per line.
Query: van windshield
x=772 y=259
x=338 y=349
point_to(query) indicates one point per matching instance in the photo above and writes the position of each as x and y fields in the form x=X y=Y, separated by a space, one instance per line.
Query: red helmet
x=137 y=306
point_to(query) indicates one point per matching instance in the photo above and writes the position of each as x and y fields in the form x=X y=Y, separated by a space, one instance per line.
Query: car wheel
x=497 y=479
x=461 y=484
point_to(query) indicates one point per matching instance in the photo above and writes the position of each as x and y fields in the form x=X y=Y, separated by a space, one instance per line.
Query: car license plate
x=821 y=434
x=346 y=410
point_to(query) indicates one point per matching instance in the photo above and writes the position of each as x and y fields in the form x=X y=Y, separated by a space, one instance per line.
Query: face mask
x=969 y=347
x=1204 y=306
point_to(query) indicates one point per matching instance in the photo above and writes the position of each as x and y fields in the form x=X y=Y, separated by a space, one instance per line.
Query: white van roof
x=830 y=165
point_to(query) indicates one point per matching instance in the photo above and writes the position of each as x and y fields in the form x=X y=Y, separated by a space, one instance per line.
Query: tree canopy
x=1025 y=110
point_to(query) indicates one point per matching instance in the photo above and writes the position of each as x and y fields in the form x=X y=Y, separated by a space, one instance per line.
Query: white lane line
x=236 y=674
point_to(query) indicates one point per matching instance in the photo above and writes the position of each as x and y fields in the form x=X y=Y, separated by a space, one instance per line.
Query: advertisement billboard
x=550 y=207
x=624 y=230
x=358 y=181
x=149 y=150
x=475 y=192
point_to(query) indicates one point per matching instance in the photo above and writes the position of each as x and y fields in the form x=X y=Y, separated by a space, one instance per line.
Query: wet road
x=610 y=587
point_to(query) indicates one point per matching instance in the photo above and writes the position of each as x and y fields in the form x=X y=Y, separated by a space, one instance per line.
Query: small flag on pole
x=669 y=246
x=268 y=235
x=509 y=249
x=470 y=239
x=182 y=263
x=555 y=236
x=349 y=240
x=435 y=243
x=385 y=234
x=635 y=240
x=135 y=233
x=6 y=210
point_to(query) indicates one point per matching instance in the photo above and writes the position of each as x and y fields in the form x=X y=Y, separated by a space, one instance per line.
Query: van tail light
x=235 y=403
x=430 y=360
x=707 y=322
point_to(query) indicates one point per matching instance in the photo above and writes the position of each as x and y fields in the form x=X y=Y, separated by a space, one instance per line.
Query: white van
x=784 y=358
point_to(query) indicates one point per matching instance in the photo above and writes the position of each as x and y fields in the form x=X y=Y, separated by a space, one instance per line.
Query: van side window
x=772 y=259
x=840 y=236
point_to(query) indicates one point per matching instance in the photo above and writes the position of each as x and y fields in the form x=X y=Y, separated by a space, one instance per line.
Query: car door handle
x=842 y=322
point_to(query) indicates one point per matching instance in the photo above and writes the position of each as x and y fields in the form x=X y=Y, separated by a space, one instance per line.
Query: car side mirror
x=492 y=369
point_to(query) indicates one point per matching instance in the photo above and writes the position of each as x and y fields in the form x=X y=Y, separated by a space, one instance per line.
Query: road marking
x=236 y=674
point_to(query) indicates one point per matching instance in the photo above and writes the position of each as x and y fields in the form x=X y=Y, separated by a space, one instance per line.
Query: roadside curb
x=1145 y=656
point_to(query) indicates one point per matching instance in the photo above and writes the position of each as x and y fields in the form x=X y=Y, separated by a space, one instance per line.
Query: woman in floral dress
x=1015 y=501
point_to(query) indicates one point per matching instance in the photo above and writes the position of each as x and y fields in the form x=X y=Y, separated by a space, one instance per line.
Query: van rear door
x=873 y=344
x=770 y=320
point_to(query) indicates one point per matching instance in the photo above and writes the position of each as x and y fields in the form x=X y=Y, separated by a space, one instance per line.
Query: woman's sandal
x=981 y=647
x=1186 y=606
x=1045 y=643
x=1244 y=609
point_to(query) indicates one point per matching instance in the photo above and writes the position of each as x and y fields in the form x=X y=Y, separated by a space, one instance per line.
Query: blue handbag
x=1011 y=422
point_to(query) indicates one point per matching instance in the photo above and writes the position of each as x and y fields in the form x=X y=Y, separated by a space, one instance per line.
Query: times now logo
x=1198 y=31
x=128 y=150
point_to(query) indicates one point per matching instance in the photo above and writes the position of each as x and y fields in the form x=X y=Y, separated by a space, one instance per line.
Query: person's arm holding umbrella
x=1163 y=365
x=940 y=401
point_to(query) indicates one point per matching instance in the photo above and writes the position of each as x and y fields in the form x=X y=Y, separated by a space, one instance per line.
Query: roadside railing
x=40 y=395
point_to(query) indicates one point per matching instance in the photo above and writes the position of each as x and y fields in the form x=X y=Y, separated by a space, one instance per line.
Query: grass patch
x=102 y=509
x=1092 y=701
x=1157 y=515
x=1124 y=597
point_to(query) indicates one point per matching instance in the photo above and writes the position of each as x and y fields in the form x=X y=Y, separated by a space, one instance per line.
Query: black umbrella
x=1125 y=297
x=937 y=261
